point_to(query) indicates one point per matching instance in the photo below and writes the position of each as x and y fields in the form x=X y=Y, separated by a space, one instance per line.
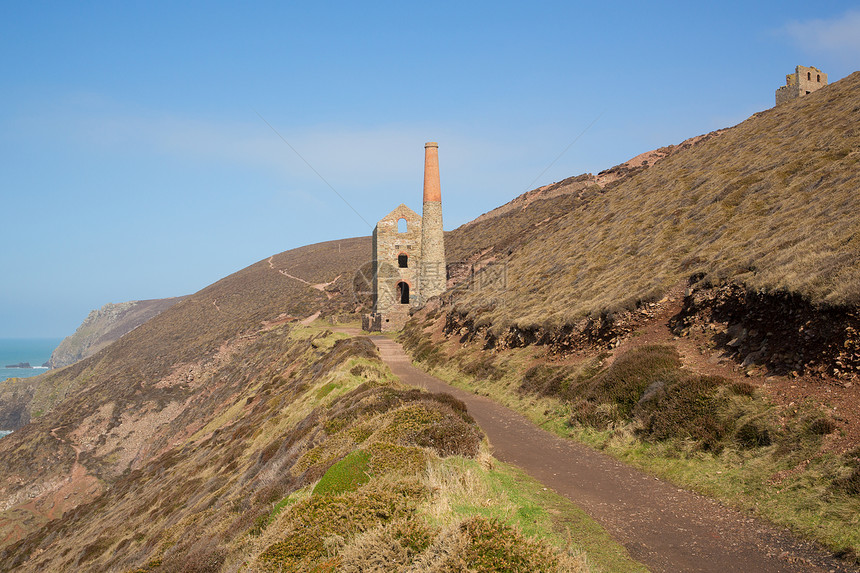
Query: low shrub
x=850 y=484
x=391 y=458
x=544 y=380
x=493 y=546
x=753 y=434
x=386 y=548
x=686 y=408
x=309 y=522
x=612 y=395
x=803 y=430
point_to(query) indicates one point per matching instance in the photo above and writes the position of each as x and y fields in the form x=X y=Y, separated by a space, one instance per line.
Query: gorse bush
x=494 y=546
x=308 y=523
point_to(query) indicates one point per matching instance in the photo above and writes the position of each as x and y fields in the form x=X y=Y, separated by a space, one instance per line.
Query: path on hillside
x=666 y=528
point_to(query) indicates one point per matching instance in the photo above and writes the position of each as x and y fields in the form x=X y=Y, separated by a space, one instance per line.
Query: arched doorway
x=403 y=292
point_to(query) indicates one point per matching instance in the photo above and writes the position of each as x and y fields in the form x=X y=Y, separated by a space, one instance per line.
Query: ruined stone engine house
x=408 y=255
x=801 y=83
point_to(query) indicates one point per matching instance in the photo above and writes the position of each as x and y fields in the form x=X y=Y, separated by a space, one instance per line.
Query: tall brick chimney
x=433 y=270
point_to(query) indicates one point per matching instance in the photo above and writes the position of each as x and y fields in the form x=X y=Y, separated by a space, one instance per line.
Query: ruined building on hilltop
x=802 y=82
x=408 y=254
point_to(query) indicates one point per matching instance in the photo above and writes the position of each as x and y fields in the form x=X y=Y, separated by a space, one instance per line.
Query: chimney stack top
x=432 y=191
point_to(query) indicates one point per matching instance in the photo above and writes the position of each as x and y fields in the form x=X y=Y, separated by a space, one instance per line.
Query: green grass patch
x=346 y=475
x=465 y=489
x=325 y=390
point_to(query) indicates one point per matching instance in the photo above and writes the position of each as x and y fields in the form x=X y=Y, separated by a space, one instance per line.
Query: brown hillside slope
x=117 y=409
x=191 y=507
x=579 y=184
x=770 y=204
x=103 y=326
x=287 y=286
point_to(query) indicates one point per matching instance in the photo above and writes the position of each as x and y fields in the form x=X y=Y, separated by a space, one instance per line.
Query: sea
x=36 y=351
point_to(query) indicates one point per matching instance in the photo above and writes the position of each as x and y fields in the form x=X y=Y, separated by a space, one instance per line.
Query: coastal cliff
x=105 y=325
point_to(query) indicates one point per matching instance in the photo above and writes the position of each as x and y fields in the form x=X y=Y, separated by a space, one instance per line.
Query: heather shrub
x=686 y=408
x=388 y=547
x=753 y=434
x=545 y=380
x=494 y=546
x=611 y=395
x=309 y=522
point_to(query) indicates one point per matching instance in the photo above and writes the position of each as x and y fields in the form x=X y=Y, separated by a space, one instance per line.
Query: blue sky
x=134 y=162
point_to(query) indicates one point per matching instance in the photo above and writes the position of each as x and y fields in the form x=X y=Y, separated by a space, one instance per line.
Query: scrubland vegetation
x=223 y=436
x=720 y=437
x=321 y=461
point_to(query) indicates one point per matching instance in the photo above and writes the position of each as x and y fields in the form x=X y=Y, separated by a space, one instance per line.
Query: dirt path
x=664 y=527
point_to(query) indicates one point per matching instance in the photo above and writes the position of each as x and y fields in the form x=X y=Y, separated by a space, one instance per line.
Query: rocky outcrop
x=780 y=331
x=106 y=325
x=15 y=403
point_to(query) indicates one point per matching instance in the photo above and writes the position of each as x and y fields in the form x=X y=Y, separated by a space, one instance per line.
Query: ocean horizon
x=36 y=351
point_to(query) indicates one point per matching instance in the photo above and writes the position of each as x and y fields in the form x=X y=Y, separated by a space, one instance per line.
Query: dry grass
x=313 y=433
x=770 y=203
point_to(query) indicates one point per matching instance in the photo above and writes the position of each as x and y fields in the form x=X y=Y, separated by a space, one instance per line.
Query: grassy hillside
x=699 y=318
x=115 y=410
x=313 y=458
x=771 y=203
x=193 y=330
x=673 y=315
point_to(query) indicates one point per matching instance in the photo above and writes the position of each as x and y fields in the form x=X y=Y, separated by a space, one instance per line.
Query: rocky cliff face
x=106 y=325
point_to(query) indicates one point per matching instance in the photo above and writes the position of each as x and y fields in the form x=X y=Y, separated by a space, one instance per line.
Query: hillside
x=288 y=286
x=770 y=205
x=103 y=326
x=294 y=449
x=700 y=308
x=184 y=445
x=121 y=385
x=699 y=318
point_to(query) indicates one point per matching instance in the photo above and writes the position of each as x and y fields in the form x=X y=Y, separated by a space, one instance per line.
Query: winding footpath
x=664 y=527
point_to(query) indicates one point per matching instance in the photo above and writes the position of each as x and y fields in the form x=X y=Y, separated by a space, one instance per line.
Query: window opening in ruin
x=809 y=75
x=807 y=93
x=403 y=292
x=403 y=260
x=818 y=78
x=401 y=225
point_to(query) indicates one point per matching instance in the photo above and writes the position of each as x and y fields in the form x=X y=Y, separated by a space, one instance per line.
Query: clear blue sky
x=134 y=164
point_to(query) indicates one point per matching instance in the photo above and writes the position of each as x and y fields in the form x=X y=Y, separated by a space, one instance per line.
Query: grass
x=346 y=475
x=498 y=517
x=779 y=213
x=497 y=491
x=722 y=440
